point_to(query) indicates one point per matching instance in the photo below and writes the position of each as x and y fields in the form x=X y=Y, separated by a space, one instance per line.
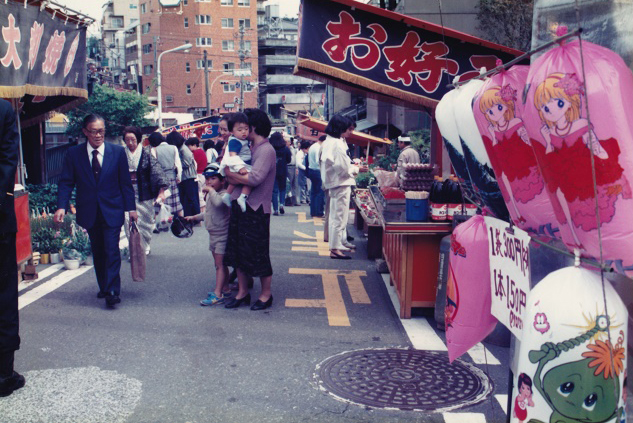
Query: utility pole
x=156 y=61
x=206 y=83
x=242 y=55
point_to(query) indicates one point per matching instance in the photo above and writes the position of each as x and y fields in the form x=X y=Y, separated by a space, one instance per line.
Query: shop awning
x=307 y=124
x=387 y=55
x=42 y=58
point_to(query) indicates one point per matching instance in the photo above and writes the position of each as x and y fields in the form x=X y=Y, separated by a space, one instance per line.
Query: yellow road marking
x=318 y=221
x=315 y=245
x=333 y=301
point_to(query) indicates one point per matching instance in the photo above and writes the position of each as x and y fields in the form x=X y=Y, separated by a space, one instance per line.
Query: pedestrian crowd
x=232 y=185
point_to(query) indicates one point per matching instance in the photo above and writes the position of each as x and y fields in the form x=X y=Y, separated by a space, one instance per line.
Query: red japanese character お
x=404 y=64
x=344 y=38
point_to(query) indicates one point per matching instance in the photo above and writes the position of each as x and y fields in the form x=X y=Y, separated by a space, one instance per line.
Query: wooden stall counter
x=411 y=250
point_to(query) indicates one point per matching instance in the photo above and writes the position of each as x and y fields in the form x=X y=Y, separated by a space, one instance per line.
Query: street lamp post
x=158 y=81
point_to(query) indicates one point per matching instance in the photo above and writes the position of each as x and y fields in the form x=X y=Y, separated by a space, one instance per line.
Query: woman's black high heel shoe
x=236 y=302
x=261 y=305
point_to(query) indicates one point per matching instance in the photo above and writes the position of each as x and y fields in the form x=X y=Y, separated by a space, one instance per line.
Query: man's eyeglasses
x=96 y=131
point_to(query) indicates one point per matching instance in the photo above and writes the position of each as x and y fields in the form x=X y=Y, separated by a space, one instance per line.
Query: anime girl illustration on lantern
x=523 y=398
x=566 y=158
x=509 y=145
x=587 y=390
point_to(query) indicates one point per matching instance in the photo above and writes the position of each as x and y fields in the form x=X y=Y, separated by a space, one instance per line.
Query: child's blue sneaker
x=212 y=299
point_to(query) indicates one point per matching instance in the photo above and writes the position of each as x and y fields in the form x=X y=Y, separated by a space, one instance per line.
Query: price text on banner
x=509 y=273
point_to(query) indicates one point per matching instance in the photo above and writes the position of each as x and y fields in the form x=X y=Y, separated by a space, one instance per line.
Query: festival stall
x=398 y=59
x=42 y=70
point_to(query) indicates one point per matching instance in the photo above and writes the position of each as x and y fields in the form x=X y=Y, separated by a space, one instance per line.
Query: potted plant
x=72 y=257
x=55 y=246
x=81 y=243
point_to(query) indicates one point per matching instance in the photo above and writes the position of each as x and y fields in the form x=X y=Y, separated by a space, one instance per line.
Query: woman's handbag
x=137 y=254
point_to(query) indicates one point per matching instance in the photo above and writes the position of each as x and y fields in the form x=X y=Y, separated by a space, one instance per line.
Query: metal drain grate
x=403 y=379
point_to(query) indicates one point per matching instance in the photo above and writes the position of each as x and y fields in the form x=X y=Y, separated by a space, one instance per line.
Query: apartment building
x=117 y=16
x=279 y=88
x=217 y=26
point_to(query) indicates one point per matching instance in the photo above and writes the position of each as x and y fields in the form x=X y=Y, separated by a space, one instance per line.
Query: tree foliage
x=506 y=22
x=119 y=109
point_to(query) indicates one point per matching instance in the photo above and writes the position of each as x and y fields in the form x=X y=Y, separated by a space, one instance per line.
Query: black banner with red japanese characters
x=42 y=60
x=395 y=57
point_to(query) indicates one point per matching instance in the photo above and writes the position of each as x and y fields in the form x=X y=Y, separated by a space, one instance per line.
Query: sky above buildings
x=94 y=9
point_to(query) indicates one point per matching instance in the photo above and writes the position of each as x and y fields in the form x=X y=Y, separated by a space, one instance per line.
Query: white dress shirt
x=101 y=150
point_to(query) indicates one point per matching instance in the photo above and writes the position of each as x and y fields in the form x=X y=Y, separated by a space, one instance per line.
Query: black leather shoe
x=236 y=302
x=10 y=384
x=281 y=210
x=350 y=238
x=112 y=300
x=102 y=294
x=260 y=305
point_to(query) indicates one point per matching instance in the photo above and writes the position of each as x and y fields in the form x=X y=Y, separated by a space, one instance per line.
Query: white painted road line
x=423 y=337
x=464 y=417
x=41 y=275
x=420 y=332
x=49 y=286
x=503 y=402
x=479 y=354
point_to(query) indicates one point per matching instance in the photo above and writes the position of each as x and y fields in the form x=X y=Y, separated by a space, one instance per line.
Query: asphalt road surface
x=161 y=357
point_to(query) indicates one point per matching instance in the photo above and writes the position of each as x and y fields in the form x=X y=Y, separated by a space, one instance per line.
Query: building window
x=185 y=2
x=247 y=45
x=186 y=22
x=117 y=22
x=146 y=28
x=248 y=87
x=244 y=3
x=246 y=23
x=148 y=69
x=133 y=6
x=248 y=65
x=188 y=89
x=169 y=99
x=228 y=45
x=143 y=8
x=229 y=67
x=229 y=88
x=203 y=41
x=200 y=64
x=203 y=1
x=187 y=67
x=226 y=2
x=203 y=19
x=147 y=48
x=227 y=22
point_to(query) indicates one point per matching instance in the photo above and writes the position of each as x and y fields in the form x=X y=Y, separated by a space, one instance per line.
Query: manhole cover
x=403 y=379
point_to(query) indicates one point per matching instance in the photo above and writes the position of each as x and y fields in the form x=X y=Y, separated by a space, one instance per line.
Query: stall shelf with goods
x=411 y=250
x=366 y=219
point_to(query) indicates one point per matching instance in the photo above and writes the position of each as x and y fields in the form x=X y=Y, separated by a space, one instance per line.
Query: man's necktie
x=96 y=167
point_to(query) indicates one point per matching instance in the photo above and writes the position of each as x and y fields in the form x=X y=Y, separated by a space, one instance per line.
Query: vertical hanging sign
x=509 y=273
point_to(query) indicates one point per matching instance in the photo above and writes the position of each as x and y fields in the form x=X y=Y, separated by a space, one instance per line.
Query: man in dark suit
x=9 y=323
x=101 y=174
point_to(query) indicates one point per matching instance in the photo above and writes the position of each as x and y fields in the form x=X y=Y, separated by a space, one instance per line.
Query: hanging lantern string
x=595 y=195
x=520 y=58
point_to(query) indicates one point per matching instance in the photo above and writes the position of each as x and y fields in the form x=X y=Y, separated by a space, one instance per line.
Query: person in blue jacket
x=100 y=172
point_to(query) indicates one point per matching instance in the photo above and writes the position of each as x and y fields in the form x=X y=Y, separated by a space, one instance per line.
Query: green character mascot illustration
x=587 y=390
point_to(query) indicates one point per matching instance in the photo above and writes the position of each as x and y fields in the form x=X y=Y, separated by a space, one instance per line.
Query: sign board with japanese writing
x=509 y=251
x=388 y=55
x=42 y=60
x=204 y=128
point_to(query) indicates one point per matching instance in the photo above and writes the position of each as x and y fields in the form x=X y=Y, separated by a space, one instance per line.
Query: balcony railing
x=290 y=80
